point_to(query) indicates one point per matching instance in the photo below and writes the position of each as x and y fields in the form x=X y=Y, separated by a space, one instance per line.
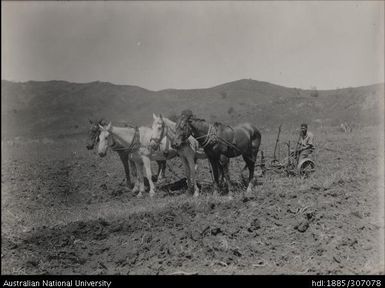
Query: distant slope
x=56 y=108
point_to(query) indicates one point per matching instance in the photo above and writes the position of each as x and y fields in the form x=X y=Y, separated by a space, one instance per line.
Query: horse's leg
x=195 y=165
x=132 y=166
x=192 y=163
x=187 y=172
x=136 y=167
x=134 y=174
x=124 y=158
x=161 y=170
x=163 y=175
x=214 y=165
x=225 y=163
x=139 y=170
x=147 y=167
x=250 y=162
x=255 y=144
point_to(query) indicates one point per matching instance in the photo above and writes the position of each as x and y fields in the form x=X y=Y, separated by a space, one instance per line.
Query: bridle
x=164 y=133
x=94 y=136
x=178 y=125
x=210 y=138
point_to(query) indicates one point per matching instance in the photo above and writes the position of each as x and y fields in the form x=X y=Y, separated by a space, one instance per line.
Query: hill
x=60 y=108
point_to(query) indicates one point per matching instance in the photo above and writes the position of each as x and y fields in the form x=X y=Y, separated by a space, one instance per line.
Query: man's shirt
x=307 y=140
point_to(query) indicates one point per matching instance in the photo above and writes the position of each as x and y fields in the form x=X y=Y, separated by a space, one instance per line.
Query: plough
x=290 y=165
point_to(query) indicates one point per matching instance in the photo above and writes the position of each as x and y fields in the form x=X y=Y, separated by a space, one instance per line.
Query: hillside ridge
x=59 y=107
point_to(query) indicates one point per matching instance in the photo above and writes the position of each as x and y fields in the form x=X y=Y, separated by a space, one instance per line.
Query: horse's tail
x=256 y=138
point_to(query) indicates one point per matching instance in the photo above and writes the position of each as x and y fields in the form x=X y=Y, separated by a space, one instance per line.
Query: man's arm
x=308 y=144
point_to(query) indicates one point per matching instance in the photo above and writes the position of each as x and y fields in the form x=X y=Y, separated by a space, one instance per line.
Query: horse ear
x=161 y=117
x=109 y=127
x=101 y=127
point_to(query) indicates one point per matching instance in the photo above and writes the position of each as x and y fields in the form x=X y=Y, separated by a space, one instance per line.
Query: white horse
x=163 y=131
x=124 y=154
x=137 y=142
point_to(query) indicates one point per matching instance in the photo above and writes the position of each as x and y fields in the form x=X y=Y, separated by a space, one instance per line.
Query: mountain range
x=62 y=109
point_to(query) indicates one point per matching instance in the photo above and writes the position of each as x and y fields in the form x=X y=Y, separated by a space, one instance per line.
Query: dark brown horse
x=217 y=140
x=92 y=140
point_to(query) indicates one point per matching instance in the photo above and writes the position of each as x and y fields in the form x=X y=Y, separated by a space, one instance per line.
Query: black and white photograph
x=192 y=138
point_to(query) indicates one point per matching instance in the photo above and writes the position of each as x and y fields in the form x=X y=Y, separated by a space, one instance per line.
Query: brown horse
x=92 y=140
x=218 y=139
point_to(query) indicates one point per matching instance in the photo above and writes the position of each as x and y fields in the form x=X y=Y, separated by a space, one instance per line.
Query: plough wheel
x=306 y=167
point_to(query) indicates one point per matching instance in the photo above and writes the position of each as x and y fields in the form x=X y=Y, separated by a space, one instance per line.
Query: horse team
x=190 y=138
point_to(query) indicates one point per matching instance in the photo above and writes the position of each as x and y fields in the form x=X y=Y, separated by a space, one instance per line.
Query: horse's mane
x=199 y=119
x=100 y=121
x=205 y=121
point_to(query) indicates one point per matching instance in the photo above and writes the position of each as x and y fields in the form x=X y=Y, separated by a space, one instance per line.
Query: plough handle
x=276 y=142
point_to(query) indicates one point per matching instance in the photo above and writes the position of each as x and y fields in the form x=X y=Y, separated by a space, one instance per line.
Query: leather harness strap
x=135 y=143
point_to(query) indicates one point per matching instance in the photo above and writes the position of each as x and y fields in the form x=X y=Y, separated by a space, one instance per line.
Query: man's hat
x=304 y=125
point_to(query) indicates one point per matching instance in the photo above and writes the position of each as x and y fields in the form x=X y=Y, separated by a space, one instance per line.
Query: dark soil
x=67 y=211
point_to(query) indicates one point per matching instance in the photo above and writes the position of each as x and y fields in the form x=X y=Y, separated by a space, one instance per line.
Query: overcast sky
x=158 y=45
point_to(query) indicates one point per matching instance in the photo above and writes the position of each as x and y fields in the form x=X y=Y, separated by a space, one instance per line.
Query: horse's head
x=183 y=130
x=104 y=136
x=158 y=131
x=93 y=133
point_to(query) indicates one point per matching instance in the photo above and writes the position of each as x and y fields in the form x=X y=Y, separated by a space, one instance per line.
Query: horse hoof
x=152 y=194
x=196 y=195
x=140 y=195
x=230 y=197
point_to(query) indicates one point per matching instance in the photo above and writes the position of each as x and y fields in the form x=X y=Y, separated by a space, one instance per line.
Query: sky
x=186 y=45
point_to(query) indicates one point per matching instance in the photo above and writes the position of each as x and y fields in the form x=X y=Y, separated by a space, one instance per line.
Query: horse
x=137 y=142
x=189 y=152
x=218 y=139
x=128 y=164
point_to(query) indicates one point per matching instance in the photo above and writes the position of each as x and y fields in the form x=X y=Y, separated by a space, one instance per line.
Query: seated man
x=306 y=143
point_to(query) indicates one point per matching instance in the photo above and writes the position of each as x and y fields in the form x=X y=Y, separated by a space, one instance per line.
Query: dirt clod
x=302 y=226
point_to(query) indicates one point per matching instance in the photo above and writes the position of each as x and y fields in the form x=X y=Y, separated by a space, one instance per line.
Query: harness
x=211 y=137
x=135 y=143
